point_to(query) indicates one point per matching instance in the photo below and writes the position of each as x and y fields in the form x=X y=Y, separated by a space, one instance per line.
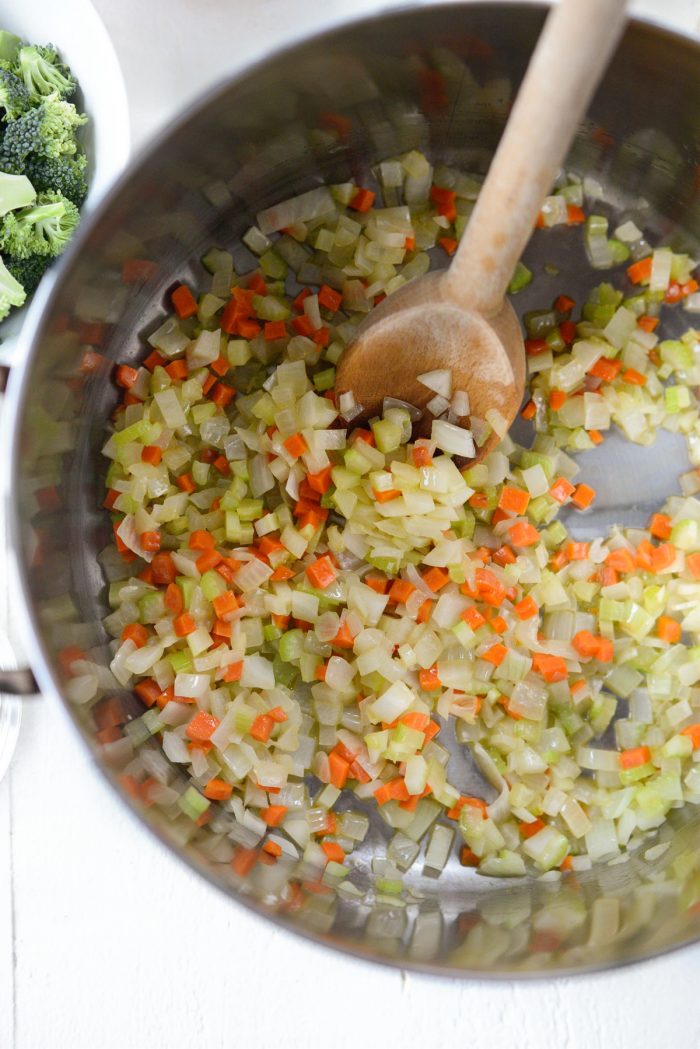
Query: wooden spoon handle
x=573 y=50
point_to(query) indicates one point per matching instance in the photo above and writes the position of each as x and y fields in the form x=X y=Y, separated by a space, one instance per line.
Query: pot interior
x=439 y=80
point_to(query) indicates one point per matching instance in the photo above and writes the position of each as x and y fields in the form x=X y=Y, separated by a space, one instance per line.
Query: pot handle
x=15 y=682
x=18 y=683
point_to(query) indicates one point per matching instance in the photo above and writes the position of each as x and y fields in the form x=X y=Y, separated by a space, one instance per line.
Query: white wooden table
x=104 y=940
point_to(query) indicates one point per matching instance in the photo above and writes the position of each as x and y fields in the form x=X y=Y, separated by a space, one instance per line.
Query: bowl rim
x=28 y=625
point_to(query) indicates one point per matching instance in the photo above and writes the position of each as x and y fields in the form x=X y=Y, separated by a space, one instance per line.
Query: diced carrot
x=597 y=438
x=273 y=814
x=557 y=399
x=415 y=719
x=663 y=556
x=563 y=304
x=503 y=556
x=605 y=369
x=186 y=483
x=529 y=411
x=575 y=215
x=660 y=526
x=378 y=583
x=395 y=790
x=551 y=668
x=150 y=541
x=496 y=654
x=562 y=490
x=329 y=298
x=202 y=726
x=473 y=617
x=606 y=650
x=692 y=563
x=515 y=500
x=217 y=789
x=184 y=302
x=163 y=568
x=644 y=556
x=647 y=323
x=222 y=394
x=220 y=366
x=184 y=624
x=640 y=272
x=177 y=370
x=567 y=330
x=409 y=244
x=296 y=445
x=125 y=376
x=528 y=830
x=362 y=200
x=577 y=551
x=468 y=858
x=343 y=639
x=152 y=454
x=281 y=573
x=274 y=330
x=137 y=633
x=207 y=560
x=585 y=643
x=527 y=608
x=243 y=861
x=320 y=482
x=226 y=603
x=148 y=691
x=425 y=611
x=321 y=573
x=634 y=757
x=272 y=849
x=386 y=496
x=523 y=534
x=435 y=578
x=498 y=624
x=262 y=727
x=338 y=770
x=583 y=496
x=693 y=732
x=533 y=347
x=233 y=671
x=334 y=851
x=429 y=679
x=448 y=244
x=421 y=455
x=633 y=377
x=668 y=629
x=400 y=591
x=472 y=803
x=622 y=560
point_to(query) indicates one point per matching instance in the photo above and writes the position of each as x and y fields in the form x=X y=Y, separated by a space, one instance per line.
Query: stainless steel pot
x=439 y=79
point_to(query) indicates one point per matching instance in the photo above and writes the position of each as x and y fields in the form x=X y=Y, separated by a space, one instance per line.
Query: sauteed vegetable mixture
x=314 y=609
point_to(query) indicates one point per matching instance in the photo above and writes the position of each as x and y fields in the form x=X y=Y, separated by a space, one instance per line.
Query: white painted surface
x=105 y=941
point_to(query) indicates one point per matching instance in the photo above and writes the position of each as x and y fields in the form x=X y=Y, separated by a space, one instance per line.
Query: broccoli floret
x=14 y=97
x=43 y=229
x=64 y=175
x=28 y=271
x=47 y=131
x=11 y=291
x=43 y=73
x=9 y=46
x=16 y=191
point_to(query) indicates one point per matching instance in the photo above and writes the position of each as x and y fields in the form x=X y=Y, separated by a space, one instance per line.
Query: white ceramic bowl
x=77 y=31
x=82 y=40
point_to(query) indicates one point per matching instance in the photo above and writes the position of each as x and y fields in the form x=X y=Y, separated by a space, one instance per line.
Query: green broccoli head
x=28 y=271
x=43 y=73
x=64 y=175
x=42 y=229
x=14 y=97
x=47 y=131
x=11 y=291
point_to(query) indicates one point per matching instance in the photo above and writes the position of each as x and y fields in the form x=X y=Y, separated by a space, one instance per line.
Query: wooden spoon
x=459 y=318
